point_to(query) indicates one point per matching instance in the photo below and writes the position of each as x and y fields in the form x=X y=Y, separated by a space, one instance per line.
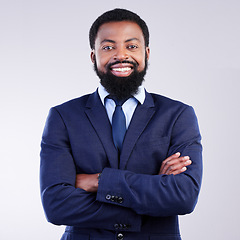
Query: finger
x=183 y=169
x=175 y=164
x=174 y=156
x=179 y=166
x=178 y=171
x=169 y=162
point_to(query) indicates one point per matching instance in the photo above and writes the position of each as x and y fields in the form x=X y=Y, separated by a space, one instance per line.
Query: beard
x=122 y=87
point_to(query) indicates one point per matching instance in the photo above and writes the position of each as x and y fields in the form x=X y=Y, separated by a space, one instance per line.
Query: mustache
x=124 y=61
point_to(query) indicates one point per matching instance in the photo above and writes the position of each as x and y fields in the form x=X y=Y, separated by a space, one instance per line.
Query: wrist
x=99 y=176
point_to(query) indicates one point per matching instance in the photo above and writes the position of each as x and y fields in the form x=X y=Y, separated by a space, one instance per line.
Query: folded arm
x=122 y=196
x=174 y=191
x=64 y=204
x=172 y=165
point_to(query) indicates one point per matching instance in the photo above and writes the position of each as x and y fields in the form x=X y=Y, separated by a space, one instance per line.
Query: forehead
x=120 y=31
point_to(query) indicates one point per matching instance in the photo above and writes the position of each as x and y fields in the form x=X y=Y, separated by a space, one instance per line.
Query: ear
x=147 y=52
x=92 y=55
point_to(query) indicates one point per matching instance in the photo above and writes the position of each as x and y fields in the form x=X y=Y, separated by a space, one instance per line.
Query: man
x=109 y=180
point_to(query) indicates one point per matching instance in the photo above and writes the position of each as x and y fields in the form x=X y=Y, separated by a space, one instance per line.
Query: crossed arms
x=78 y=200
x=172 y=165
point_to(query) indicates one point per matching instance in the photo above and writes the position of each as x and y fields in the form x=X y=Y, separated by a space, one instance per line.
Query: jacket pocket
x=154 y=141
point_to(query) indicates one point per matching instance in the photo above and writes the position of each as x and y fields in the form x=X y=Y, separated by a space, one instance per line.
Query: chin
x=121 y=87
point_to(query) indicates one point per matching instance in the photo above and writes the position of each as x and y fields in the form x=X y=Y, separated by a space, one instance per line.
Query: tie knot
x=118 y=102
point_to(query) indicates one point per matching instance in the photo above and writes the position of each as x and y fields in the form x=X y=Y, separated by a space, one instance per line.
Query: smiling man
x=120 y=163
x=120 y=57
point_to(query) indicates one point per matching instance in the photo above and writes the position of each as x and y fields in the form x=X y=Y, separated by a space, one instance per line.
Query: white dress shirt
x=128 y=107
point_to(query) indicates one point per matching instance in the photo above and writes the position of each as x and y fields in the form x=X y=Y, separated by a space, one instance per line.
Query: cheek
x=141 y=61
x=141 y=65
x=101 y=61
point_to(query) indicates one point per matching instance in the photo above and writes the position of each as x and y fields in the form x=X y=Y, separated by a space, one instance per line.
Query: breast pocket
x=148 y=154
x=150 y=142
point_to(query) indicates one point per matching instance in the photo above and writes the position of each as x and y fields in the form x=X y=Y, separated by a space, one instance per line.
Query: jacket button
x=120 y=200
x=116 y=226
x=113 y=198
x=108 y=197
x=125 y=226
x=120 y=236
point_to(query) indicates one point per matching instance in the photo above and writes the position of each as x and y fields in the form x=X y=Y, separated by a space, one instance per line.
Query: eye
x=132 y=47
x=107 y=48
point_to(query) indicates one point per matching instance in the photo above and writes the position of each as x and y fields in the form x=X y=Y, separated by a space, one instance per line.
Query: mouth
x=122 y=69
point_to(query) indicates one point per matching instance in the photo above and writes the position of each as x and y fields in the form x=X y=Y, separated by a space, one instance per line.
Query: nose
x=121 y=54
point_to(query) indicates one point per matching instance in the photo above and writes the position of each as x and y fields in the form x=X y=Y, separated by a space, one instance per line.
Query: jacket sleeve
x=63 y=203
x=160 y=195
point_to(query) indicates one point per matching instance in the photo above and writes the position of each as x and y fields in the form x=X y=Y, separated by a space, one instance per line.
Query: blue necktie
x=118 y=124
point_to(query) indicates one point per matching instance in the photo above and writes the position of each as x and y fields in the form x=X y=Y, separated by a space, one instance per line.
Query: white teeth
x=122 y=69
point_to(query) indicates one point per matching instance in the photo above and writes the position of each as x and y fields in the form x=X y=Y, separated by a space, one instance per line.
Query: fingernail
x=188 y=161
x=184 y=169
x=186 y=157
x=178 y=153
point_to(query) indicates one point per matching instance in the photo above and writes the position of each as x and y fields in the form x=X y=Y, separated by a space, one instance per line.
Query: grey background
x=44 y=61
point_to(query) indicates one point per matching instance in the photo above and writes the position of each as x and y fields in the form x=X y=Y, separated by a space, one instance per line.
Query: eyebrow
x=112 y=41
x=108 y=40
x=131 y=39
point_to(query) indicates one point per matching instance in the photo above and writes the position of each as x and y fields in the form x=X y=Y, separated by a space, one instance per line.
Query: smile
x=121 y=70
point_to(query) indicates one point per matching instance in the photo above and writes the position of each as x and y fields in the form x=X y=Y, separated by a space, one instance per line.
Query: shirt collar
x=140 y=95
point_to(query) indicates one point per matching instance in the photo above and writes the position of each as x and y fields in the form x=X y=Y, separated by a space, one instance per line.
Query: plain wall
x=45 y=60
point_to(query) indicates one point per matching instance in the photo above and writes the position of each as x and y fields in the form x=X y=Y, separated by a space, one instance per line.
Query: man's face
x=118 y=41
x=120 y=57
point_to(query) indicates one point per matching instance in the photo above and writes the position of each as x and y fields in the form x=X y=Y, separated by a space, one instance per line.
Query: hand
x=88 y=182
x=175 y=164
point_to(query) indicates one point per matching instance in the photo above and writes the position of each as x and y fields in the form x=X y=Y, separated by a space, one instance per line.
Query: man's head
x=117 y=15
x=119 y=40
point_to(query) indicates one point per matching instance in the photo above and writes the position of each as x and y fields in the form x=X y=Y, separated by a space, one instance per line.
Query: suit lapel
x=99 y=120
x=140 y=120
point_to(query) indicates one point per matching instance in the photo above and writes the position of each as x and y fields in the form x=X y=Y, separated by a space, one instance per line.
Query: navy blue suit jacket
x=133 y=201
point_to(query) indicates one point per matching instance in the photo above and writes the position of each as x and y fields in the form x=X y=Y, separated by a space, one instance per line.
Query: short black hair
x=117 y=15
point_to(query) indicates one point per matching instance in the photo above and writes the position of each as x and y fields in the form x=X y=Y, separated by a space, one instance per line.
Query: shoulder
x=161 y=101
x=171 y=108
x=74 y=104
x=177 y=111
